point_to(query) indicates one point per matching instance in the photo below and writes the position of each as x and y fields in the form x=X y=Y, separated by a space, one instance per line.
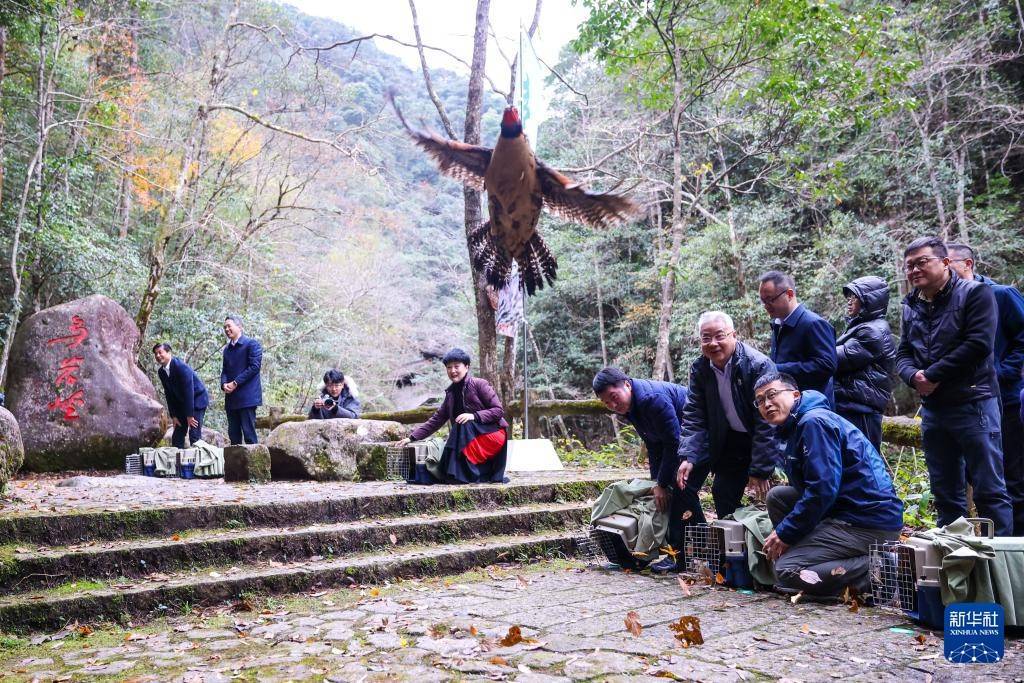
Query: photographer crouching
x=336 y=399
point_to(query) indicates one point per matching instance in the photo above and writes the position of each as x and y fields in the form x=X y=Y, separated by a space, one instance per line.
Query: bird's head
x=511 y=125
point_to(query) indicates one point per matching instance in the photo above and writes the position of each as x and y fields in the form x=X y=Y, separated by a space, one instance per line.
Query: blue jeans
x=967 y=436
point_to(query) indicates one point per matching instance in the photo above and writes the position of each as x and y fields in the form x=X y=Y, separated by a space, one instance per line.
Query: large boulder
x=74 y=386
x=12 y=452
x=249 y=463
x=328 y=450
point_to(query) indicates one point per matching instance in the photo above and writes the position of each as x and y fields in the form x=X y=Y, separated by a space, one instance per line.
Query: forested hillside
x=191 y=159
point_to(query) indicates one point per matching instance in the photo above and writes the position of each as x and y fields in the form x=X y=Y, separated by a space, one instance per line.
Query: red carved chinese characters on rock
x=66 y=371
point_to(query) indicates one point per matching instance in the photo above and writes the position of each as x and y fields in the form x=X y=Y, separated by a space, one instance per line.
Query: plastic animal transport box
x=721 y=548
x=905 y=575
x=616 y=536
x=406 y=462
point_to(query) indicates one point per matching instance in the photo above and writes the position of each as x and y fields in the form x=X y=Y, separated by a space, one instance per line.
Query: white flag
x=533 y=95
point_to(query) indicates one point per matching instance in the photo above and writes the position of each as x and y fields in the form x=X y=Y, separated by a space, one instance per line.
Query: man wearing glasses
x=945 y=354
x=840 y=499
x=803 y=343
x=1008 y=350
x=722 y=431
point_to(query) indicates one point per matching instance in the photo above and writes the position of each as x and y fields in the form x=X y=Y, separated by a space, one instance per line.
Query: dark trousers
x=967 y=437
x=194 y=433
x=1013 y=464
x=732 y=469
x=830 y=558
x=869 y=424
x=242 y=423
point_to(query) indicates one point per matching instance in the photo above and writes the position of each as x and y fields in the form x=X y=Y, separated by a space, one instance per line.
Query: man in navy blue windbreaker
x=655 y=410
x=840 y=499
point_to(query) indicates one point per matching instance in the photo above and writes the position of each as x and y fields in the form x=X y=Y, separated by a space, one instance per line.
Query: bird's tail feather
x=537 y=265
x=488 y=258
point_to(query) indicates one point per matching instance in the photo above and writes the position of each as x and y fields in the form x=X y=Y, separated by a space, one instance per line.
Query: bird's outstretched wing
x=566 y=198
x=464 y=162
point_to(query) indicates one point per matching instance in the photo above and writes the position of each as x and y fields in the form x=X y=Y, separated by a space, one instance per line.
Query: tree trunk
x=33 y=175
x=933 y=176
x=662 y=354
x=960 y=164
x=487 y=337
x=747 y=324
x=3 y=68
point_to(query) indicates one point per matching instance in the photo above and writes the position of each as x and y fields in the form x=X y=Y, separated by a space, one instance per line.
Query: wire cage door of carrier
x=720 y=548
x=408 y=463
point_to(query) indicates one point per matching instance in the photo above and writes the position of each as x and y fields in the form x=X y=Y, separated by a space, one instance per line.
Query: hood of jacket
x=873 y=293
x=809 y=400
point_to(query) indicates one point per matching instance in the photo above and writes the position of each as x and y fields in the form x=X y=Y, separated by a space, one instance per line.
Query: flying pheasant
x=518 y=185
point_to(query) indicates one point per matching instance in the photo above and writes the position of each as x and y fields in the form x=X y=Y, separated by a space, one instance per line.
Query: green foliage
x=624 y=452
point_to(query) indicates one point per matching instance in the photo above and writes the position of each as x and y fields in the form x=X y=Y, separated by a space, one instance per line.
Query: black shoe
x=667 y=565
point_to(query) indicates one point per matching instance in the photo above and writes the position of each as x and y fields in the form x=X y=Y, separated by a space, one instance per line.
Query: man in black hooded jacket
x=866 y=355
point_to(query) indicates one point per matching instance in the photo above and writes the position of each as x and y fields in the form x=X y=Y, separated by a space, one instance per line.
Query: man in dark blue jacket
x=945 y=354
x=722 y=432
x=803 y=343
x=839 y=501
x=1008 y=354
x=187 y=399
x=240 y=381
x=654 y=409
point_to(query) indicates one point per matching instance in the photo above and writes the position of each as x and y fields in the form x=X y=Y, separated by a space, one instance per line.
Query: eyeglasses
x=774 y=298
x=718 y=338
x=767 y=396
x=918 y=264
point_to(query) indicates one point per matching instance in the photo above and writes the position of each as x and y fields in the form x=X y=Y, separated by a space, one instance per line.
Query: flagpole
x=522 y=282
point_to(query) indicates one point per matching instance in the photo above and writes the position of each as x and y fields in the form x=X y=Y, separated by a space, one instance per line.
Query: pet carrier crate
x=187 y=463
x=905 y=577
x=407 y=463
x=721 y=548
x=133 y=464
x=616 y=536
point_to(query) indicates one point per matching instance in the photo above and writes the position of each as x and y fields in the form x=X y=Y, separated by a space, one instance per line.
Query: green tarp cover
x=634 y=498
x=979 y=569
x=759 y=527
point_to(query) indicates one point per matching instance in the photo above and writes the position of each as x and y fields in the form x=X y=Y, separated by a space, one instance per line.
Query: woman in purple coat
x=476 y=447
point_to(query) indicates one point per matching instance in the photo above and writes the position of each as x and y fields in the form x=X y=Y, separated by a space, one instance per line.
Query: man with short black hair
x=803 y=343
x=654 y=409
x=840 y=499
x=722 y=432
x=1008 y=355
x=240 y=381
x=186 y=395
x=945 y=354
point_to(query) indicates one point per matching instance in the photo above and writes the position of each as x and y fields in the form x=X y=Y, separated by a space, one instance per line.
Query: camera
x=329 y=401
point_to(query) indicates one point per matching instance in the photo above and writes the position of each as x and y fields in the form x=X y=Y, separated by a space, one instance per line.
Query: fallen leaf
x=706 y=574
x=686 y=516
x=684 y=585
x=809 y=577
x=670 y=551
x=83 y=630
x=521 y=581
x=719 y=579
x=513 y=637
x=806 y=628
x=633 y=623
x=176 y=537
x=374 y=592
x=687 y=631
x=662 y=673
x=393 y=539
x=473 y=630
x=796 y=598
x=498 y=661
x=838 y=571
x=921 y=638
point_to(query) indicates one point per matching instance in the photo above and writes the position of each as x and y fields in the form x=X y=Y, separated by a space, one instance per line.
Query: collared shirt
x=166 y=368
x=782 y=321
x=724 y=379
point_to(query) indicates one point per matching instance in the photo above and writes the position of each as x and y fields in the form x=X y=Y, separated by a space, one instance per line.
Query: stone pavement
x=572 y=619
x=65 y=493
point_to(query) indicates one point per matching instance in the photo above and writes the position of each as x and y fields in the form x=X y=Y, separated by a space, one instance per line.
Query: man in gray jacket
x=721 y=430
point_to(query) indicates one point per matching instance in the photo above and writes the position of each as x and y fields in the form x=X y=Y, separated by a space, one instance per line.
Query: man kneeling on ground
x=839 y=501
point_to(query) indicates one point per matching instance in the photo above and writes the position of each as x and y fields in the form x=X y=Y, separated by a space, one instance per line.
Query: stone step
x=63 y=528
x=151 y=597
x=28 y=570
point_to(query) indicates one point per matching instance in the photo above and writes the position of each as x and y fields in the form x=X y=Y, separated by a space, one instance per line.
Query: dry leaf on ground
x=684 y=585
x=687 y=631
x=633 y=624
